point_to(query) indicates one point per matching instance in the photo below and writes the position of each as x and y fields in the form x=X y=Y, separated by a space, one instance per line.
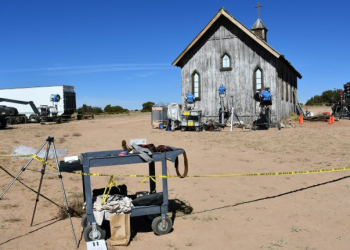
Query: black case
x=151 y=199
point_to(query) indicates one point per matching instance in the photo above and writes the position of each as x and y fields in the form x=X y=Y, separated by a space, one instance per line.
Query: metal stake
x=49 y=140
x=64 y=193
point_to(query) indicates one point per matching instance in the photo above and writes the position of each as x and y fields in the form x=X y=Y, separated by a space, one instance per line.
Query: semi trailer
x=45 y=103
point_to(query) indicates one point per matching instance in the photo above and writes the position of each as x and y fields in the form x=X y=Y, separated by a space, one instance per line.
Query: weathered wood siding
x=246 y=55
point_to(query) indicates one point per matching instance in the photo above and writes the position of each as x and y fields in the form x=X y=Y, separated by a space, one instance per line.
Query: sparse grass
x=74 y=178
x=75 y=207
x=294 y=117
x=50 y=177
x=76 y=134
x=295 y=229
x=275 y=245
x=189 y=244
x=209 y=218
x=249 y=218
x=194 y=218
x=61 y=140
x=65 y=135
x=12 y=219
x=9 y=206
x=172 y=245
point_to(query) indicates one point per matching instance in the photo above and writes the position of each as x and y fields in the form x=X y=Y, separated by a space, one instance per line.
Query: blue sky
x=120 y=52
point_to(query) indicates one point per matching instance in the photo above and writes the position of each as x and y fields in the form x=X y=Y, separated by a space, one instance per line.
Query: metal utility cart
x=161 y=224
x=264 y=121
x=191 y=119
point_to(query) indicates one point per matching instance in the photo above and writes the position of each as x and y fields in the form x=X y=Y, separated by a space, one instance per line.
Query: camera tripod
x=48 y=141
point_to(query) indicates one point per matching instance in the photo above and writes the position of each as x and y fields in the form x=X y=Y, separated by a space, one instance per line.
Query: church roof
x=223 y=12
x=258 y=25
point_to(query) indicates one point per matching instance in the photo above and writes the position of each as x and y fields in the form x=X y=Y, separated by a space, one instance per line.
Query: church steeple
x=259 y=28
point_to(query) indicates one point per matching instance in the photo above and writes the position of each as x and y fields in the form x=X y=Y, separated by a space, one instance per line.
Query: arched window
x=258 y=80
x=196 y=85
x=225 y=62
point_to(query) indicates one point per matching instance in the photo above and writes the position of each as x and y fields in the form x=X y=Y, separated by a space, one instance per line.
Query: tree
x=147 y=107
x=88 y=109
x=327 y=97
x=115 y=109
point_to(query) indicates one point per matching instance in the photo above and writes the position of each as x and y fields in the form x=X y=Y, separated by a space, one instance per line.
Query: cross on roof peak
x=259 y=6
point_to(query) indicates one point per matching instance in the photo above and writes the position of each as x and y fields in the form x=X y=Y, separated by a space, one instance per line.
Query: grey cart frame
x=112 y=158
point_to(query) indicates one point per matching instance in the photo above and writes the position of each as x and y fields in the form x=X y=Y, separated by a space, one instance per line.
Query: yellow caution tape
x=43 y=161
x=31 y=156
x=191 y=176
x=17 y=156
x=225 y=175
x=110 y=184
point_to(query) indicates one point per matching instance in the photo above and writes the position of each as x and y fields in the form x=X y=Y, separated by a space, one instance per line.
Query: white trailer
x=57 y=99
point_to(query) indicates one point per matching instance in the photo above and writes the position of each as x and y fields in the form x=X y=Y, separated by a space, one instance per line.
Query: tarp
x=174 y=112
x=24 y=150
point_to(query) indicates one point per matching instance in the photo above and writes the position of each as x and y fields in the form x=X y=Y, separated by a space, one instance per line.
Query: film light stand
x=48 y=141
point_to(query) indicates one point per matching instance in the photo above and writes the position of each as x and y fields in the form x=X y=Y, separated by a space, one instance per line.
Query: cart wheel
x=254 y=128
x=88 y=235
x=198 y=129
x=84 y=221
x=183 y=129
x=152 y=126
x=279 y=126
x=159 y=228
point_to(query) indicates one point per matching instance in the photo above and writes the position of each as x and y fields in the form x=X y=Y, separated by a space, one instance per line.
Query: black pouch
x=146 y=200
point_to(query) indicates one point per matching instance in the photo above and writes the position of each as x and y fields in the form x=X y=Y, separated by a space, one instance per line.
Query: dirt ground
x=307 y=211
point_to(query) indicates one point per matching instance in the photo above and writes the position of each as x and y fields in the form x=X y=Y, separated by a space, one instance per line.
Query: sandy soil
x=307 y=211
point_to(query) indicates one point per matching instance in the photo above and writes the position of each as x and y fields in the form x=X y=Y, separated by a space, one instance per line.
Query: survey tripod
x=49 y=141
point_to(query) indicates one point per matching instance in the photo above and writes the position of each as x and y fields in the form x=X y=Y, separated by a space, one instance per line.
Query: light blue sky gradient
x=120 y=52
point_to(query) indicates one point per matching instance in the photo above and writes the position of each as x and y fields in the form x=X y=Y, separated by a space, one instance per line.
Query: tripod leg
x=20 y=172
x=41 y=179
x=64 y=192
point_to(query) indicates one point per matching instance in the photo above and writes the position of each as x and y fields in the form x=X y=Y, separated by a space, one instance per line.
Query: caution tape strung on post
x=34 y=156
x=190 y=176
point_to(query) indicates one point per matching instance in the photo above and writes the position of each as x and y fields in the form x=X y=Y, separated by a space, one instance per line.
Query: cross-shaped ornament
x=259 y=6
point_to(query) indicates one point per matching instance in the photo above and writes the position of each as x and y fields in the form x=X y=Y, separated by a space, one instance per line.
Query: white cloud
x=70 y=70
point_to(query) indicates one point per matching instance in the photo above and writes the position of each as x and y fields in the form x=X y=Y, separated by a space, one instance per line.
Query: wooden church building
x=227 y=53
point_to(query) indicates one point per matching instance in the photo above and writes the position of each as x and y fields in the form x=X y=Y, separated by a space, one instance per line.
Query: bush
x=115 y=109
x=89 y=109
x=147 y=107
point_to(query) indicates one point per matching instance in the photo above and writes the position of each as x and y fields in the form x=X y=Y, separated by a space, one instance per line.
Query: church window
x=196 y=85
x=225 y=62
x=258 y=80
